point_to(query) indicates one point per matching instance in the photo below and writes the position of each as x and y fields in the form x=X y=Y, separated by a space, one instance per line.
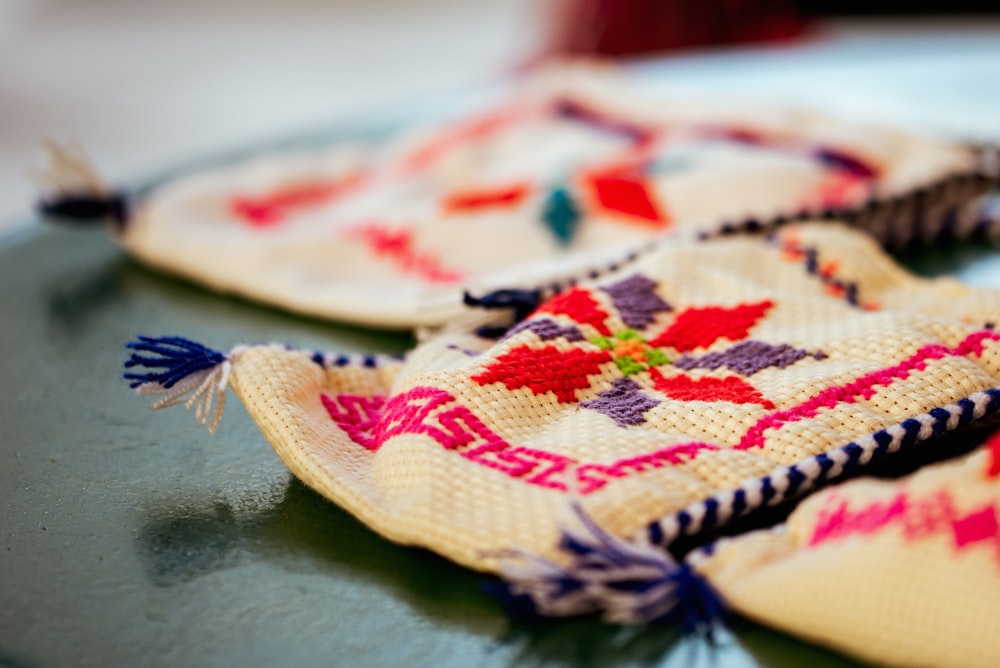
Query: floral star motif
x=578 y=360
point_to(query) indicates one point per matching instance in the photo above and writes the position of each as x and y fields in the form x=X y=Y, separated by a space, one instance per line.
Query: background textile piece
x=574 y=171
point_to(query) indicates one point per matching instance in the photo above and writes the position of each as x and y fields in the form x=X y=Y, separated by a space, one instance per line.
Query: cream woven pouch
x=703 y=381
x=573 y=172
x=903 y=573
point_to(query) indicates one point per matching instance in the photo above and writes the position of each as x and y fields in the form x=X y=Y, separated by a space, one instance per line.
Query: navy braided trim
x=332 y=360
x=787 y=483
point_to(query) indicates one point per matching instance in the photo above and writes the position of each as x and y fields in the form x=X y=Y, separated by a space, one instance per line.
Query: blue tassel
x=179 y=356
x=626 y=583
x=561 y=216
x=86 y=208
x=183 y=371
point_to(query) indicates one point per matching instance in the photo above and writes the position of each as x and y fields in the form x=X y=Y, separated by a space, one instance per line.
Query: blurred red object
x=629 y=27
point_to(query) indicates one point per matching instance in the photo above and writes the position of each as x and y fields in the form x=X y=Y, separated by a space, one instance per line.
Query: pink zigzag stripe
x=916 y=518
x=864 y=387
x=371 y=421
x=356 y=415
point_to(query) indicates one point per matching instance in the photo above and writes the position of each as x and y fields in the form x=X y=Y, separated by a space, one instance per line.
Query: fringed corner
x=624 y=582
x=181 y=371
x=74 y=191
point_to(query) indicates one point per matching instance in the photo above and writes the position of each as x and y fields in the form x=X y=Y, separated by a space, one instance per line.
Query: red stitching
x=545 y=369
x=580 y=306
x=399 y=247
x=708 y=388
x=425 y=155
x=628 y=195
x=269 y=209
x=485 y=198
x=701 y=327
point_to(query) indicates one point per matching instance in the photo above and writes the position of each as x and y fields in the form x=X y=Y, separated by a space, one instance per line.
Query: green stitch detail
x=656 y=357
x=602 y=342
x=629 y=335
x=629 y=366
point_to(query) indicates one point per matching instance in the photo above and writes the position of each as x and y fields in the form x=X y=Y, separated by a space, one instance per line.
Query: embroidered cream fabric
x=571 y=173
x=713 y=370
x=900 y=573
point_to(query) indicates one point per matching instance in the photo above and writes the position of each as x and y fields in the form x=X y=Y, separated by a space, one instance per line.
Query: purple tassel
x=624 y=582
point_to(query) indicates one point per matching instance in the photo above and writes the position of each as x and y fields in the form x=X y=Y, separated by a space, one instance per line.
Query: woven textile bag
x=904 y=573
x=574 y=171
x=702 y=382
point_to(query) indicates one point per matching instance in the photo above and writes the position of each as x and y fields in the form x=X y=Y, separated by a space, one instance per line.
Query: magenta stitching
x=356 y=415
x=406 y=413
x=412 y=413
x=864 y=387
x=558 y=464
x=917 y=519
x=456 y=437
x=670 y=456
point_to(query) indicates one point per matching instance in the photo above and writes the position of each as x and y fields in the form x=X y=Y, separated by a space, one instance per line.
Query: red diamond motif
x=627 y=195
x=579 y=305
x=730 y=388
x=701 y=327
x=546 y=369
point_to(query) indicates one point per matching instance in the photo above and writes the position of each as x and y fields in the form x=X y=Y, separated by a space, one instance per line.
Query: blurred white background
x=144 y=84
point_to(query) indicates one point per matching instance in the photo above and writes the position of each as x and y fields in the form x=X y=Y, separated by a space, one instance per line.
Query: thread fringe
x=624 y=582
x=181 y=370
x=74 y=191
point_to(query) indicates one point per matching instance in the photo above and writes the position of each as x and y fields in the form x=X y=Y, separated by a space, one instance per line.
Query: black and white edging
x=339 y=360
x=790 y=482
